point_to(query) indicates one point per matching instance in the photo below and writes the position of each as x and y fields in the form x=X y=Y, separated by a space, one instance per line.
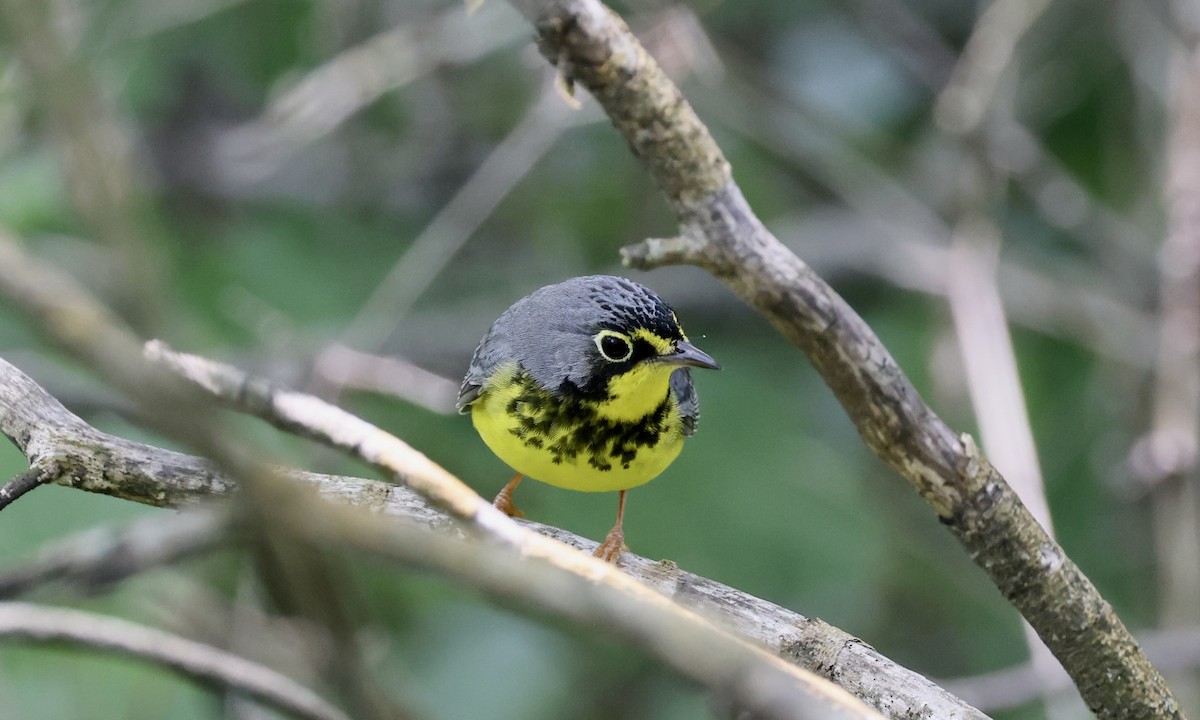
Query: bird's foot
x=614 y=543
x=504 y=503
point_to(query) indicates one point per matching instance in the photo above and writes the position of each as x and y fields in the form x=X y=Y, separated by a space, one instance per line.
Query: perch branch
x=33 y=623
x=590 y=44
x=135 y=472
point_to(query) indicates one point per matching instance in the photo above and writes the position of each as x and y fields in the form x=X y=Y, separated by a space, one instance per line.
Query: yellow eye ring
x=613 y=346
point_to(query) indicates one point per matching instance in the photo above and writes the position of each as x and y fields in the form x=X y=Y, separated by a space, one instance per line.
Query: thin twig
x=34 y=477
x=320 y=101
x=962 y=104
x=347 y=368
x=23 y=622
x=427 y=255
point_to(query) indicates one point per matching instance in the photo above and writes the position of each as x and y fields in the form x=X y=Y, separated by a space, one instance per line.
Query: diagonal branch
x=590 y=44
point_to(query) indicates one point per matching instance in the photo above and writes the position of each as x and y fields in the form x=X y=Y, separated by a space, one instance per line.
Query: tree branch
x=34 y=477
x=811 y=644
x=589 y=44
x=32 y=623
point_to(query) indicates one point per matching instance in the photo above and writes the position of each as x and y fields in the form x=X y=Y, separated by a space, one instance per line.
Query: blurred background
x=343 y=194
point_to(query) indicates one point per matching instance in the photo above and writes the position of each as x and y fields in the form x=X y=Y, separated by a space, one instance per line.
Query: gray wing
x=685 y=395
x=483 y=364
x=468 y=393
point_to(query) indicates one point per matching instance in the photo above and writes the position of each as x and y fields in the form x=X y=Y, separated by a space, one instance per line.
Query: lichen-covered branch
x=34 y=477
x=85 y=458
x=719 y=231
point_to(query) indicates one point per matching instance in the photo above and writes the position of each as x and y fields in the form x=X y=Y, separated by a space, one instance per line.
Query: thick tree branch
x=52 y=437
x=33 y=623
x=589 y=44
x=135 y=475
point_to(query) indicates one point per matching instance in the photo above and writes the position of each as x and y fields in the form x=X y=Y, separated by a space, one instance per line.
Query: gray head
x=572 y=337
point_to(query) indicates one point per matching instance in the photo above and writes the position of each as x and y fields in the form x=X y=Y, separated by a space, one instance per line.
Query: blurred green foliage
x=271 y=243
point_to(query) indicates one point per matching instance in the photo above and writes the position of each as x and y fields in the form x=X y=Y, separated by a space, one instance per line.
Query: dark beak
x=687 y=354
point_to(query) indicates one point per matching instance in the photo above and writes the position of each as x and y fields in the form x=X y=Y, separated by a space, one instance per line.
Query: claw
x=504 y=500
x=614 y=543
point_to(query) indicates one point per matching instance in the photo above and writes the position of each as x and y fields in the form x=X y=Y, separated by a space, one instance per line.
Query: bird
x=585 y=385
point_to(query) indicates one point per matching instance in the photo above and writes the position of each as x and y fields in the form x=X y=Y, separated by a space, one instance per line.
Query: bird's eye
x=613 y=346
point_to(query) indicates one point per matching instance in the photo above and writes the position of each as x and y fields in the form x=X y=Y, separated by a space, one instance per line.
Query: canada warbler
x=584 y=385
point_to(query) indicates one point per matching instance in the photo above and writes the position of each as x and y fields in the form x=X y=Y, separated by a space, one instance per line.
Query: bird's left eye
x=614 y=347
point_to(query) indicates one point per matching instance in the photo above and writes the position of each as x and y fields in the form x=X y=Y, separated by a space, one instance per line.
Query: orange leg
x=504 y=501
x=614 y=542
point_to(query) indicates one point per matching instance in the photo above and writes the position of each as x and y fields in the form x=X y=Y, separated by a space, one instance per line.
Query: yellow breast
x=577 y=444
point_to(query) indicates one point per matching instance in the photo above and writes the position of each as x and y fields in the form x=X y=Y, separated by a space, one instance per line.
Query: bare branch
x=426 y=256
x=961 y=105
x=52 y=437
x=588 y=43
x=319 y=102
x=313 y=418
x=34 y=477
x=345 y=367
